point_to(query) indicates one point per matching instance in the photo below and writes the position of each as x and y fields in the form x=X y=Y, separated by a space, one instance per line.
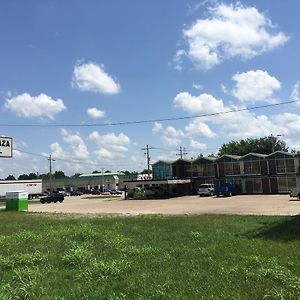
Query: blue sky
x=97 y=62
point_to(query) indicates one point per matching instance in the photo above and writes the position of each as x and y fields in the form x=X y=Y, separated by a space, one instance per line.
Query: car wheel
x=61 y=200
x=298 y=196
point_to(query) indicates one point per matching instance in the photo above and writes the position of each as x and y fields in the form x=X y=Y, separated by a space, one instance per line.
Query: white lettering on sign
x=5 y=147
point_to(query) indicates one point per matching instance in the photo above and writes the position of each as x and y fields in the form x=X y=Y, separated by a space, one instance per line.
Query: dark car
x=54 y=197
x=96 y=192
x=76 y=193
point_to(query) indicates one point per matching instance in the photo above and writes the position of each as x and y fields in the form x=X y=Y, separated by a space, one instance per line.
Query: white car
x=295 y=192
x=206 y=189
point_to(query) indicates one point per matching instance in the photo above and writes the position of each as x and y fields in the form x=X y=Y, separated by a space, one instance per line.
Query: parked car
x=115 y=192
x=295 y=192
x=227 y=189
x=76 y=193
x=54 y=197
x=206 y=189
x=96 y=192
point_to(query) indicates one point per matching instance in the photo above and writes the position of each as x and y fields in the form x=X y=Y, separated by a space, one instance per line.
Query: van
x=206 y=189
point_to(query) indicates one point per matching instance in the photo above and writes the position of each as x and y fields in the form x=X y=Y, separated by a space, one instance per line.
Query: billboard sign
x=6 y=147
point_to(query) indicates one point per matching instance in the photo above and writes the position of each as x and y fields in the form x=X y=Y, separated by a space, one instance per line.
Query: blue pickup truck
x=227 y=189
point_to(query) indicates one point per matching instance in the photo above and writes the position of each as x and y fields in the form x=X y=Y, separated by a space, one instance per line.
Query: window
x=280 y=166
x=285 y=165
x=252 y=167
x=290 y=167
x=232 y=168
x=253 y=185
x=285 y=184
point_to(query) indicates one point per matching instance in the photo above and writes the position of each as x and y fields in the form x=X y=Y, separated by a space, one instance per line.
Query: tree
x=59 y=174
x=96 y=172
x=32 y=176
x=26 y=177
x=265 y=145
x=10 y=177
x=44 y=176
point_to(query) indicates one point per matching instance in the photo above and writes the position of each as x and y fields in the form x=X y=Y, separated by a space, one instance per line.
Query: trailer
x=33 y=187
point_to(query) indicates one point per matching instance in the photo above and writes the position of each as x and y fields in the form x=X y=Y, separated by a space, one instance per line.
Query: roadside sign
x=6 y=147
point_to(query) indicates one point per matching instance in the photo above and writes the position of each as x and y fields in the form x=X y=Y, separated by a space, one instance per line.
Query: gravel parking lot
x=239 y=205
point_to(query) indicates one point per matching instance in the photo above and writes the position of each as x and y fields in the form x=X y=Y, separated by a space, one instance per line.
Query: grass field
x=150 y=257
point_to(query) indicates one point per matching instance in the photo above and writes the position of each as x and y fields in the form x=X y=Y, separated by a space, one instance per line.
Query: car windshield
x=204 y=186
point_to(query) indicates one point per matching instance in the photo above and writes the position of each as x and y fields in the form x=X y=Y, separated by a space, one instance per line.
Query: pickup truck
x=226 y=189
x=295 y=192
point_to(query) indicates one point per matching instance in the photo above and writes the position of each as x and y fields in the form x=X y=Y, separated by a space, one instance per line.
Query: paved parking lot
x=240 y=205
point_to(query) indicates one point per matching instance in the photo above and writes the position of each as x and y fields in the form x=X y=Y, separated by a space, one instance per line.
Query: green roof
x=102 y=174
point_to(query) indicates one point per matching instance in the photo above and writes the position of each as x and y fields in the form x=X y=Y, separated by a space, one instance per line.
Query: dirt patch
x=237 y=205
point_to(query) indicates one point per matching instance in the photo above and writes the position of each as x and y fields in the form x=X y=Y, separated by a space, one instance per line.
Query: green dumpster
x=17 y=201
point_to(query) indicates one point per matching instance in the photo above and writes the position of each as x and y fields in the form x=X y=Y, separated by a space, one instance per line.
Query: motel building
x=253 y=173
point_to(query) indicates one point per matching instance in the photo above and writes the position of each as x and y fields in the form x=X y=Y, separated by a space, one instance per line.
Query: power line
x=151 y=120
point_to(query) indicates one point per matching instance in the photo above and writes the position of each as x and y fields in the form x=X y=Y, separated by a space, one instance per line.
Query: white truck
x=33 y=187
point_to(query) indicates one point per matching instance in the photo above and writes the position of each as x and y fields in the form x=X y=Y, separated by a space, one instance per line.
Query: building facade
x=253 y=173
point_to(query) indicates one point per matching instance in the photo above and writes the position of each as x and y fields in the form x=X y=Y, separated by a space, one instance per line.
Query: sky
x=71 y=69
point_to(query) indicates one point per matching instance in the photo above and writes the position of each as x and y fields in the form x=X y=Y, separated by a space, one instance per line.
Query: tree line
x=61 y=175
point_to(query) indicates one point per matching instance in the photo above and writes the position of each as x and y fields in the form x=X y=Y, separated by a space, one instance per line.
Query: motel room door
x=274 y=185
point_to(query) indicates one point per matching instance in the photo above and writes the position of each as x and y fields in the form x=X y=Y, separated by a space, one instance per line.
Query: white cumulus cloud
x=202 y=104
x=255 y=86
x=110 y=146
x=199 y=128
x=172 y=136
x=76 y=143
x=196 y=145
x=230 y=31
x=92 y=77
x=157 y=127
x=95 y=113
x=27 y=106
x=197 y=86
x=295 y=95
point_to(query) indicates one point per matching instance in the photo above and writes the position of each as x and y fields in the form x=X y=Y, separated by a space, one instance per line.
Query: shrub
x=136 y=194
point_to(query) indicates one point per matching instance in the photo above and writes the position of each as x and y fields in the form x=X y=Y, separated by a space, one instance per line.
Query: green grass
x=45 y=256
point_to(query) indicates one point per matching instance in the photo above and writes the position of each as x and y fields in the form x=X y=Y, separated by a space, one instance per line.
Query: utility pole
x=182 y=152
x=148 y=158
x=274 y=140
x=50 y=159
x=102 y=173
